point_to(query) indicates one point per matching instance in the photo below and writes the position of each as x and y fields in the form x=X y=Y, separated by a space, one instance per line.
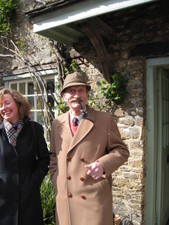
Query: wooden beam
x=94 y=36
x=103 y=28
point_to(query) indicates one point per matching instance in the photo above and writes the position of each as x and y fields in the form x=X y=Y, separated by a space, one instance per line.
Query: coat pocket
x=9 y=185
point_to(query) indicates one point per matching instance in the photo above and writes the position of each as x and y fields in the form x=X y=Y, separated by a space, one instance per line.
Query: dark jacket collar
x=25 y=120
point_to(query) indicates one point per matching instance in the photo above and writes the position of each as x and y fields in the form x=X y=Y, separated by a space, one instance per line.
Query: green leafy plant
x=60 y=106
x=114 y=92
x=72 y=68
x=48 y=201
x=6 y=9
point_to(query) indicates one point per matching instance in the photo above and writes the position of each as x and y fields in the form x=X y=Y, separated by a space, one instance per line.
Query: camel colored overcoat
x=79 y=198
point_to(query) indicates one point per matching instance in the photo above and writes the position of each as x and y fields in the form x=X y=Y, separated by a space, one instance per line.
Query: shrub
x=48 y=201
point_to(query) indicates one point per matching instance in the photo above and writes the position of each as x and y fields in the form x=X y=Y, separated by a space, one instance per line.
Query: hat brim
x=76 y=84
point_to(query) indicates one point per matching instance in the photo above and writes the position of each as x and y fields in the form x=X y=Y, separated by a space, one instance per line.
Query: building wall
x=135 y=30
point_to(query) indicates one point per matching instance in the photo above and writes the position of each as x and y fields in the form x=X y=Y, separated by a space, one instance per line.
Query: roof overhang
x=60 y=24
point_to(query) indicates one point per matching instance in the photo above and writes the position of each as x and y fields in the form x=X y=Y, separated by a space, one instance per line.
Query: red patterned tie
x=75 y=121
x=74 y=125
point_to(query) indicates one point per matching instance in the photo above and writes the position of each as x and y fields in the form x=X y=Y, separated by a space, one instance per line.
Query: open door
x=162 y=172
x=157 y=142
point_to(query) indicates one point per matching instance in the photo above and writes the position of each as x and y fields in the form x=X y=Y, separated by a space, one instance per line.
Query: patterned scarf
x=13 y=131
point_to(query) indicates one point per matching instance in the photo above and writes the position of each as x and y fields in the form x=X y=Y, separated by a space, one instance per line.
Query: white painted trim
x=28 y=75
x=151 y=145
x=150 y=148
x=80 y=11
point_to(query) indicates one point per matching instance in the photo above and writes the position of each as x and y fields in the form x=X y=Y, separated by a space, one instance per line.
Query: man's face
x=73 y=95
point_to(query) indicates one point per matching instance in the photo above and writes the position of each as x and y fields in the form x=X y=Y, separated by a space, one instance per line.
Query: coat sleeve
x=117 y=151
x=42 y=156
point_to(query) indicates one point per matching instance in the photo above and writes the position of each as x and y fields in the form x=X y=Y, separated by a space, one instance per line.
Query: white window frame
x=26 y=78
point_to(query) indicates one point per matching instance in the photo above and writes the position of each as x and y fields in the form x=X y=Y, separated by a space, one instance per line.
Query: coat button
x=83 y=196
x=69 y=195
x=82 y=159
x=68 y=158
x=82 y=178
x=68 y=177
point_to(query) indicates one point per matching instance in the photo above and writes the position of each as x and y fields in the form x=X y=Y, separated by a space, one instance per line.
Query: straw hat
x=75 y=79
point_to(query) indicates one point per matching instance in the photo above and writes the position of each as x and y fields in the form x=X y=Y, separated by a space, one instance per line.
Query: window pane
x=32 y=116
x=22 y=88
x=39 y=102
x=30 y=88
x=31 y=101
x=40 y=118
x=50 y=86
x=14 y=86
x=37 y=87
x=50 y=89
x=50 y=102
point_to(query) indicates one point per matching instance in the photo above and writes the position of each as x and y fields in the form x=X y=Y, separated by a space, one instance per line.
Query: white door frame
x=151 y=144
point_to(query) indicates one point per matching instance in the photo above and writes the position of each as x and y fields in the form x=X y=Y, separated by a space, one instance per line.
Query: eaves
x=58 y=20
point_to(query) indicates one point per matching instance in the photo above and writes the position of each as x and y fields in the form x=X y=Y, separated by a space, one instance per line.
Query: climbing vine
x=6 y=9
x=115 y=91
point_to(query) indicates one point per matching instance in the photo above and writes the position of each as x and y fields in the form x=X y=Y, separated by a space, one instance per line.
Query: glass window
x=14 y=86
x=35 y=98
x=31 y=101
x=50 y=86
x=39 y=102
x=22 y=88
x=32 y=116
x=30 y=88
x=40 y=118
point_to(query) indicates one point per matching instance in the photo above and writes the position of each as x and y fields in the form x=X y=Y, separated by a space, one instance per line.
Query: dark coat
x=79 y=198
x=21 y=175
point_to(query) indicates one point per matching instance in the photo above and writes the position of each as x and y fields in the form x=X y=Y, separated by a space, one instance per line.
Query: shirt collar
x=78 y=117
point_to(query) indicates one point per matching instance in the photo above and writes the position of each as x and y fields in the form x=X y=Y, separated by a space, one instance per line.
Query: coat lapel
x=84 y=128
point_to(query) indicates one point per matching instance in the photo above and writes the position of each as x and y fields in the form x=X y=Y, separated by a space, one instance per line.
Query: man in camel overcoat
x=86 y=148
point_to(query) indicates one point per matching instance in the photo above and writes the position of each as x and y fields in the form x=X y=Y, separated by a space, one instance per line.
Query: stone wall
x=133 y=27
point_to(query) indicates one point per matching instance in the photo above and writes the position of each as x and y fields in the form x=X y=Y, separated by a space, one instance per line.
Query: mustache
x=76 y=99
x=80 y=100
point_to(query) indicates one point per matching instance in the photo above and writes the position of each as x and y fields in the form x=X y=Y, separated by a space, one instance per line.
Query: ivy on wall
x=115 y=91
x=6 y=9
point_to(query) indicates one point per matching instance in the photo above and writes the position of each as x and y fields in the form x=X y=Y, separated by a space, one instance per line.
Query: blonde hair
x=24 y=106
